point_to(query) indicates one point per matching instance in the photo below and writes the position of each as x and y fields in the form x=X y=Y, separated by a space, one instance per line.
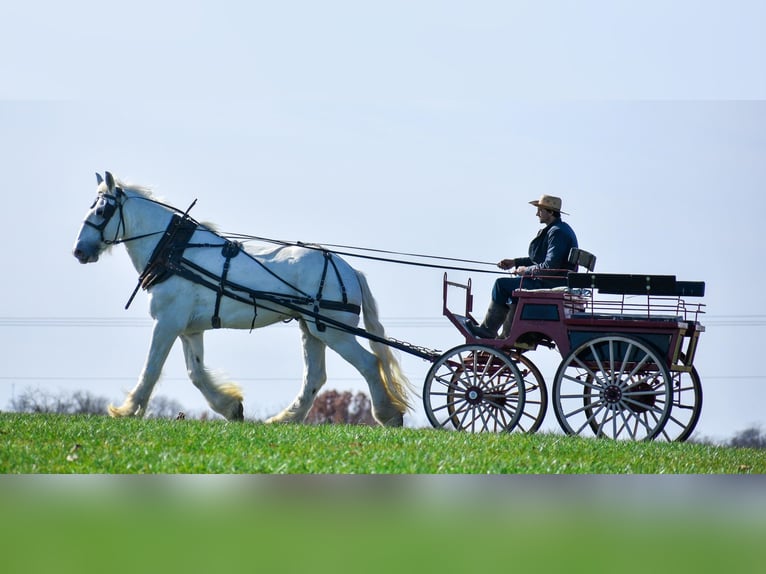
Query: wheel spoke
x=446 y=382
x=625 y=426
x=586 y=368
x=606 y=419
x=584 y=408
x=585 y=384
x=593 y=417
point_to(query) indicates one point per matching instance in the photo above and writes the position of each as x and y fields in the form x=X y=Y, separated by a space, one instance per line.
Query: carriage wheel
x=687 y=406
x=535 y=395
x=613 y=386
x=474 y=388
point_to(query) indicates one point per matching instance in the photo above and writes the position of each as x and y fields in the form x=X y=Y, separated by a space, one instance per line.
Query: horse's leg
x=225 y=399
x=163 y=337
x=314 y=376
x=383 y=408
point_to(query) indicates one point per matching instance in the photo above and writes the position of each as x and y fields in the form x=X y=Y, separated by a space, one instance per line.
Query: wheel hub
x=474 y=395
x=612 y=394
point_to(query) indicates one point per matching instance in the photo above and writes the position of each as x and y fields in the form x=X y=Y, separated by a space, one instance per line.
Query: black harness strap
x=332 y=305
x=230 y=250
x=328 y=255
x=167 y=253
x=327 y=258
x=255 y=312
x=343 y=305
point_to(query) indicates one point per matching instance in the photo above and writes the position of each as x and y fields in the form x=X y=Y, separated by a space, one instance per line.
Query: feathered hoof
x=121 y=412
x=238 y=415
x=395 y=421
x=281 y=419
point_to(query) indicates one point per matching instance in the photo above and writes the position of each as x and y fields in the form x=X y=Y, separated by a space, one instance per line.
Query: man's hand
x=507 y=264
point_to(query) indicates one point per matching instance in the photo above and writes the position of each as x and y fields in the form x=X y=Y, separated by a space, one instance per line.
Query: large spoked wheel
x=535 y=395
x=687 y=406
x=474 y=388
x=613 y=386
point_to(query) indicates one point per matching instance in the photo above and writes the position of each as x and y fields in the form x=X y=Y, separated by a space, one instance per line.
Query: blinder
x=106 y=205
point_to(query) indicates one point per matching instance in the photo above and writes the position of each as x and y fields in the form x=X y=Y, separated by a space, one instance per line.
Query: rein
x=321 y=247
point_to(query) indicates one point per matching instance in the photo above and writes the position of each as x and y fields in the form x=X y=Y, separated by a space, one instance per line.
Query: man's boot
x=506 y=330
x=496 y=314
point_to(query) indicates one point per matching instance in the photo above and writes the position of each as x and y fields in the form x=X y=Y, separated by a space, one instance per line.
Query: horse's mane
x=135 y=188
x=146 y=192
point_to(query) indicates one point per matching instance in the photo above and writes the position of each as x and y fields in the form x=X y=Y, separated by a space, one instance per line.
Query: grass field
x=203 y=519
x=56 y=444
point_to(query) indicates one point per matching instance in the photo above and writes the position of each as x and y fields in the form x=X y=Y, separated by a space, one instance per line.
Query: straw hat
x=550 y=202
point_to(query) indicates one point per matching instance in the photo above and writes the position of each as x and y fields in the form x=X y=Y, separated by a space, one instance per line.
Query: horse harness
x=168 y=259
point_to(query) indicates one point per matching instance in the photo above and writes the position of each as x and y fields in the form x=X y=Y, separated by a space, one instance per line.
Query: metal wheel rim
x=687 y=407
x=535 y=395
x=613 y=386
x=474 y=388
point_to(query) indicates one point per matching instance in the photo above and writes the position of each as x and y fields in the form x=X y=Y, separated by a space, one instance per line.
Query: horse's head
x=100 y=228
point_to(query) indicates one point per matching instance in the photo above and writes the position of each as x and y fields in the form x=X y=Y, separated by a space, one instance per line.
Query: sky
x=418 y=126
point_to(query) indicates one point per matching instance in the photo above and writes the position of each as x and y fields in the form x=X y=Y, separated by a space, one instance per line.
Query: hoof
x=117 y=412
x=395 y=421
x=282 y=419
x=239 y=413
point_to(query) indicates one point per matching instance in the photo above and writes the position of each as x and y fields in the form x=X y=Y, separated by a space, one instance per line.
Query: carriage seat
x=576 y=298
x=578 y=257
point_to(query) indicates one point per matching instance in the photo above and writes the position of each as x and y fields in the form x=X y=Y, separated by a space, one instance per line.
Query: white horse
x=260 y=288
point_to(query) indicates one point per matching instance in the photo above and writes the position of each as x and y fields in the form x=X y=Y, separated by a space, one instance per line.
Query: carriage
x=627 y=341
x=627 y=344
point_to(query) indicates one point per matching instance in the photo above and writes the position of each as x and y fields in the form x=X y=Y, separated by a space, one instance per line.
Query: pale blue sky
x=413 y=126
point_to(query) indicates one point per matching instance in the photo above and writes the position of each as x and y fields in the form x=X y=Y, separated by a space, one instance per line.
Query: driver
x=542 y=269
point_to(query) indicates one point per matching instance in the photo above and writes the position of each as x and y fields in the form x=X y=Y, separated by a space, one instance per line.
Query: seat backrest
x=621 y=284
x=582 y=258
x=690 y=288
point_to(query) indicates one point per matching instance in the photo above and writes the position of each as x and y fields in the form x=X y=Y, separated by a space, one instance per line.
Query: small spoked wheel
x=613 y=386
x=474 y=388
x=687 y=405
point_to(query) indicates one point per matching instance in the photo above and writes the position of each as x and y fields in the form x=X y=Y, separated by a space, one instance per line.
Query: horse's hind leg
x=383 y=408
x=314 y=376
x=225 y=399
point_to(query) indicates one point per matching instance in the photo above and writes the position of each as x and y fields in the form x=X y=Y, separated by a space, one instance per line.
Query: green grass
x=201 y=523
x=57 y=444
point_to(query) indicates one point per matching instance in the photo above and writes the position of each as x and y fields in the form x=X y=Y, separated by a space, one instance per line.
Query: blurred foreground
x=375 y=524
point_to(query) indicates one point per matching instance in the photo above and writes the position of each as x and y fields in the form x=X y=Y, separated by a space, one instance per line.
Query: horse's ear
x=99 y=179
x=109 y=181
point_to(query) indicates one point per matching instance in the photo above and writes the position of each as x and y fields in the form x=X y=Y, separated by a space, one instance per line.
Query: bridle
x=113 y=204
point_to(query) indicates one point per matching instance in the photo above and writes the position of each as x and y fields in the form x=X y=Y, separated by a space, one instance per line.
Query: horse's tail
x=396 y=383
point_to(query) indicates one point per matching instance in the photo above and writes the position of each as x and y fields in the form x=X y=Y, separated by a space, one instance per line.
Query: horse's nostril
x=81 y=256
